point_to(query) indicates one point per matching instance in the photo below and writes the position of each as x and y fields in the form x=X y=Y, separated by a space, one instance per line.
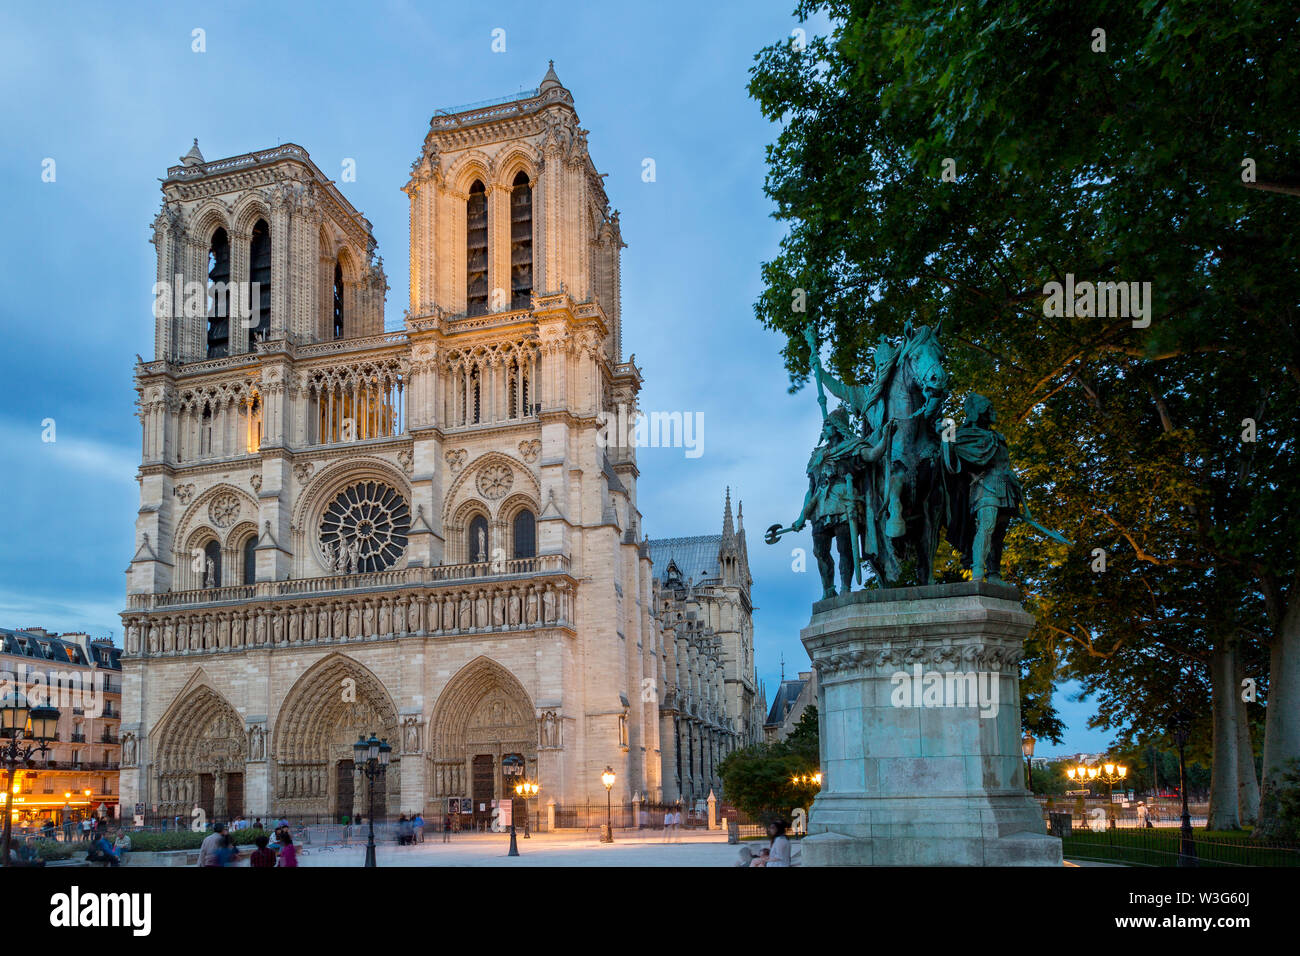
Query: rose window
x=364 y=528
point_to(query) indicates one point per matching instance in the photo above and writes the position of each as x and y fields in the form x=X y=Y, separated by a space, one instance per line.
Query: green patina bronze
x=883 y=496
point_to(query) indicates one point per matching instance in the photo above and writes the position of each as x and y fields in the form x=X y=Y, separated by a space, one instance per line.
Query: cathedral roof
x=784 y=701
x=695 y=556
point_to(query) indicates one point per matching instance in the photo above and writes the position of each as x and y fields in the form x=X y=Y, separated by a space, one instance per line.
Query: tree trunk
x=1247 y=779
x=1223 y=813
x=1282 y=720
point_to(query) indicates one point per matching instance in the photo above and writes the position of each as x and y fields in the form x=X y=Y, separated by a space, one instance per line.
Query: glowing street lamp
x=1027 y=748
x=19 y=722
x=607 y=778
x=525 y=790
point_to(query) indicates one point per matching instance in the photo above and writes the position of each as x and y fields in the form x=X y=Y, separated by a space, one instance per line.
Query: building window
x=250 y=559
x=212 y=565
x=525 y=534
x=259 y=273
x=364 y=529
x=338 y=300
x=521 y=243
x=478 y=540
x=218 y=295
x=254 y=425
x=205 y=431
x=476 y=250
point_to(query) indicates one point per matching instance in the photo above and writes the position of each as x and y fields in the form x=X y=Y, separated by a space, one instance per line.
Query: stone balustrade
x=345 y=608
x=369 y=581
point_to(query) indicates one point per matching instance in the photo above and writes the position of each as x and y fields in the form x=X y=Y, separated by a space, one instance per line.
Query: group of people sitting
x=776 y=853
x=219 y=849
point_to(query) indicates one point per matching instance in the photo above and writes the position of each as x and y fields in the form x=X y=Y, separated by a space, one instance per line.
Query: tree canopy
x=948 y=162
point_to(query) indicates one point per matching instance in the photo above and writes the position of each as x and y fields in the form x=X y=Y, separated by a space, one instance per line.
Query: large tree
x=945 y=161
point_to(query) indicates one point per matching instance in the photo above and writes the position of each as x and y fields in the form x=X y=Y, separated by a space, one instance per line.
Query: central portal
x=482 y=792
x=344 y=777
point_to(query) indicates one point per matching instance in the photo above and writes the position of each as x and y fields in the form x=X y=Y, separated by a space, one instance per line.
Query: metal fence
x=1161 y=847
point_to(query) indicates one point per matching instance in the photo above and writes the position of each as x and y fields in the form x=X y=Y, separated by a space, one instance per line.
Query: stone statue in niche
x=256 y=743
x=550 y=729
x=209 y=573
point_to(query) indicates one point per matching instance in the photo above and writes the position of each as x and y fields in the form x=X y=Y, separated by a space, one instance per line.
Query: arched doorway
x=328 y=708
x=200 y=749
x=483 y=728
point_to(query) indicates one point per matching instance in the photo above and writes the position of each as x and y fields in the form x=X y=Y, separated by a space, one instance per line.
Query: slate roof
x=783 y=702
x=49 y=648
x=696 y=556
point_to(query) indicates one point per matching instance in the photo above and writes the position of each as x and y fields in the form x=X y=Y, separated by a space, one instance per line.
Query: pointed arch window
x=250 y=559
x=525 y=534
x=218 y=295
x=476 y=250
x=338 y=300
x=259 y=274
x=521 y=242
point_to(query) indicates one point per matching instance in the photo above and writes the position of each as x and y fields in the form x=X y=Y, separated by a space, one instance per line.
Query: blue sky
x=115 y=95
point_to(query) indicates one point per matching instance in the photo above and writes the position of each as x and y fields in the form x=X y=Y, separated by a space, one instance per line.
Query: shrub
x=150 y=842
x=51 y=850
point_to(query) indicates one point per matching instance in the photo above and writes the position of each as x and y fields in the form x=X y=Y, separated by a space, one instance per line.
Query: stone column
x=919 y=699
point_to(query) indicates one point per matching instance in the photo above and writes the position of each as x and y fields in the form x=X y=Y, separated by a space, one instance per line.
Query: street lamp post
x=1027 y=748
x=371 y=757
x=19 y=721
x=1181 y=726
x=607 y=778
x=527 y=789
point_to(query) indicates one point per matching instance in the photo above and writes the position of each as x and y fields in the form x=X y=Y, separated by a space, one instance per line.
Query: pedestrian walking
x=288 y=853
x=418 y=826
x=446 y=828
x=668 y=825
x=212 y=845
x=85 y=830
x=263 y=856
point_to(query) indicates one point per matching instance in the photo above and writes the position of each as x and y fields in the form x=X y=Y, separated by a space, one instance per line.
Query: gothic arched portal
x=199 y=752
x=483 y=716
x=336 y=701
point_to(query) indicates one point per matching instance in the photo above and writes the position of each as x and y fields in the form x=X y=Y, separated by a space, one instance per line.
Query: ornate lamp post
x=1027 y=748
x=19 y=721
x=1181 y=727
x=371 y=757
x=527 y=789
x=607 y=778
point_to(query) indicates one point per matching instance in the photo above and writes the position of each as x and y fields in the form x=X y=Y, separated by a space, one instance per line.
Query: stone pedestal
x=919 y=706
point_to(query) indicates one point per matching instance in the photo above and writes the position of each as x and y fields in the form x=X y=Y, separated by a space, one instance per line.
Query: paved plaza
x=544 y=849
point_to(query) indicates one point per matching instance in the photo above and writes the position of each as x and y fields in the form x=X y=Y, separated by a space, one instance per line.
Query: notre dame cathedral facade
x=418 y=534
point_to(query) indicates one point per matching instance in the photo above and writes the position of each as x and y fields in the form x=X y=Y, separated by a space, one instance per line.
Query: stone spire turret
x=550 y=81
x=193 y=157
